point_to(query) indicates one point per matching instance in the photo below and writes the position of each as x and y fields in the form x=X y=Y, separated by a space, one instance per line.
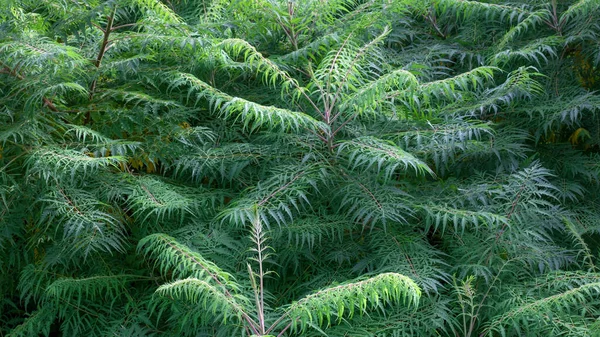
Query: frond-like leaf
x=252 y=115
x=347 y=299
x=372 y=94
x=53 y=162
x=367 y=152
x=107 y=287
x=152 y=198
x=177 y=260
x=278 y=197
x=207 y=296
x=542 y=309
x=225 y=162
x=366 y=201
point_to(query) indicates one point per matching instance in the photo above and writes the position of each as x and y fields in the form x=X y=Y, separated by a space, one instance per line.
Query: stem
x=328 y=85
x=256 y=291
x=284 y=329
x=13 y=72
x=462 y=307
x=293 y=35
x=260 y=305
x=316 y=134
x=320 y=87
x=557 y=25
x=274 y=325
x=433 y=20
x=12 y=161
x=98 y=61
x=357 y=58
x=331 y=102
x=123 y=26
x=343 y=124
x=474 y=317
x=508 y=215
x=262 y=202
x=289 y=31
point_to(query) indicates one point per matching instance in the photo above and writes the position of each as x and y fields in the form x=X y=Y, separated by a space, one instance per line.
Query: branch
x=13 y=72
x=433 y=20
x=122 y=26
x=100 y=56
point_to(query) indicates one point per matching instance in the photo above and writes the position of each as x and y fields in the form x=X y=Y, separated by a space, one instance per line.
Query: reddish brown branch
x=101 y=52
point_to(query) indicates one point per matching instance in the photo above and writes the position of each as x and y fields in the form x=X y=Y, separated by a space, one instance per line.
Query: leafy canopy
x=299 y=168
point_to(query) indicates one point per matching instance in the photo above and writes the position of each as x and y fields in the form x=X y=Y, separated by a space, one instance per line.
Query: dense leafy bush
x=299 y=168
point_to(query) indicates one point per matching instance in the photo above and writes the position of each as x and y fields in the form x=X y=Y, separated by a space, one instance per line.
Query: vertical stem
x=330 y=139
x=293 y=33
x=289 y=30
x=260 y=305
x=480 y=305
x=462 y=307
x=556 y=24
x=508 y=215
x=261 y=290
x=256 y=291
x=330 y=135
x=98 y=61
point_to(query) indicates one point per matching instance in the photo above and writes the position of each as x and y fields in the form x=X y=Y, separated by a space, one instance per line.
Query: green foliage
x=299 y=168
x=346 y=298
